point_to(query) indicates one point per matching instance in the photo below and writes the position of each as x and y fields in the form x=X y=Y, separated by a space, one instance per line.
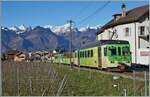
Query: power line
x=98 y=10
x=81 y=11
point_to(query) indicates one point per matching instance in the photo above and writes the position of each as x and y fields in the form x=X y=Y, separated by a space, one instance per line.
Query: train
x=111 y=55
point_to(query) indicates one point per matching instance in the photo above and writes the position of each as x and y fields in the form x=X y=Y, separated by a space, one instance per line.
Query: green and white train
x=104 y=54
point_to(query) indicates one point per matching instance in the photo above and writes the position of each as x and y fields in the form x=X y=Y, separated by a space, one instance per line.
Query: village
x=14 y=55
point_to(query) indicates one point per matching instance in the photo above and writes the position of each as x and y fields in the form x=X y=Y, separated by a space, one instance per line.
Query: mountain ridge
x=45 y=38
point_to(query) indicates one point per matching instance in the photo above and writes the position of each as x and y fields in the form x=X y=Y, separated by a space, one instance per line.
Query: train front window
x=119 y=51
x=125 y=51
x=113 y=51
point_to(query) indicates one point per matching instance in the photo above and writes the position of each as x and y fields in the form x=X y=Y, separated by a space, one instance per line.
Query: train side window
x=119 y=51
x=105 y=51
x=88 y=53
x=80 y=54
x=91 y=53
x=85 y=54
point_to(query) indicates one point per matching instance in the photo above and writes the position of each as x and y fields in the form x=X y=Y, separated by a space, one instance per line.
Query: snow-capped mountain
x=20 y=29
x=48 y=37
x=48 y=26
x=14 y=28
x=58 y=29
x=85 y=29
x=80 y=36
x=63 y=29
x=4 y=28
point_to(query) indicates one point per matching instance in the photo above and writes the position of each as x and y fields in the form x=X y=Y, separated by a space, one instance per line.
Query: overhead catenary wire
x=95 y=12
x=81 y=11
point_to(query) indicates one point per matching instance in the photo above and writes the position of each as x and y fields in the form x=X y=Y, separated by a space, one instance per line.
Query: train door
x=99 y=57
x=104 y=56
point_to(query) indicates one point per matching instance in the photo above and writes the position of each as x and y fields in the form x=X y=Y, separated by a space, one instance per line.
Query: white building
x=132 y=26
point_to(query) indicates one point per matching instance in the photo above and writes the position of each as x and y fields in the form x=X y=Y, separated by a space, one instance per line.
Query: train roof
x=103 y=42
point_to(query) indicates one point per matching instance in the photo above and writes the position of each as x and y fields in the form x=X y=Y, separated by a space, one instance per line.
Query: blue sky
x=41 y=13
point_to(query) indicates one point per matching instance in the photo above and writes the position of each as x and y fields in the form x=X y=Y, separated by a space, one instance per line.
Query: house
x=132 y=26
x=20 y=56
x=11 y=54
x=14 y=55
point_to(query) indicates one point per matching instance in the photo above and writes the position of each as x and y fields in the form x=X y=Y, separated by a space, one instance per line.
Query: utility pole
x=70 y=47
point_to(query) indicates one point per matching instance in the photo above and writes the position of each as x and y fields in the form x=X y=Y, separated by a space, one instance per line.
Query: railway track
x=129 y=75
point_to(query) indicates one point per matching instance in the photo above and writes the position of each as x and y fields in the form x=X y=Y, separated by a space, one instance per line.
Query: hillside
x=45 y=38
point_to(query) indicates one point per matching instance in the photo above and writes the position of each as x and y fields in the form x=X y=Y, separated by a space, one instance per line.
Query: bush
x=3 y=57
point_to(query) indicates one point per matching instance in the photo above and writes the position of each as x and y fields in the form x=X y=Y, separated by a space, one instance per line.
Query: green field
x=43 y=78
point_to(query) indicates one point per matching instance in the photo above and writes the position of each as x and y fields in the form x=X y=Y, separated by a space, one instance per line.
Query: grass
x=36 y=77
x=96 y=84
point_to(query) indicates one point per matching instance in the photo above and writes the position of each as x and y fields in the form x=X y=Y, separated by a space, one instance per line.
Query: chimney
x=117 y=16
x=123 y=10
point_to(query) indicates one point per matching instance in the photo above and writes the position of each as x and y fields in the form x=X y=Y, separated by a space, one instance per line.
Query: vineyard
x=47 y=79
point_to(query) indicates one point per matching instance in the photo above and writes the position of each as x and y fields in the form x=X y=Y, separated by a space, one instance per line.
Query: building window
x=148 y=29
x=141 y=30
x=127 y=31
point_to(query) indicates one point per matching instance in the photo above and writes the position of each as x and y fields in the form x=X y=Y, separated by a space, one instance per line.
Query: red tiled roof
x=12 y=52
